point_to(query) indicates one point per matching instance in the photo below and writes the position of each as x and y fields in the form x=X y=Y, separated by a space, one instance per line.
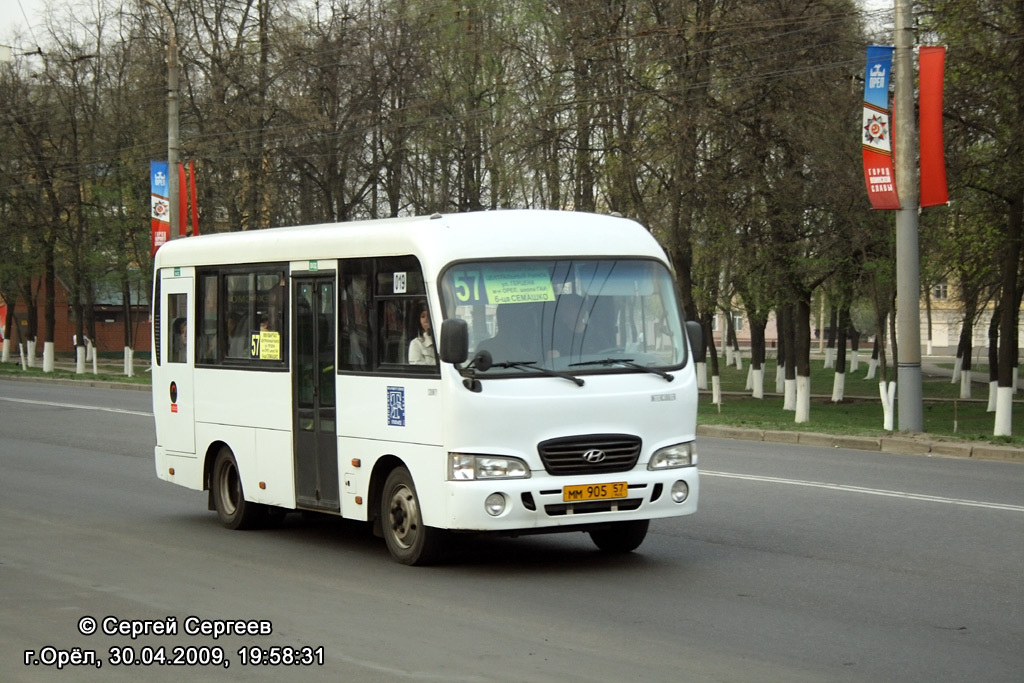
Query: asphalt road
x=803 y=564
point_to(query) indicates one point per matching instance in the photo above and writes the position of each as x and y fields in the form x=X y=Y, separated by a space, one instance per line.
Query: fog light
x=495 y=504
x=680 y=491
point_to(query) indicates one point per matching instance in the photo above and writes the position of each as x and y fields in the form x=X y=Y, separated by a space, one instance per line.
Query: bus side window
x=207 y=319
x=178 y=334
x=354 y=312
x=394 y=340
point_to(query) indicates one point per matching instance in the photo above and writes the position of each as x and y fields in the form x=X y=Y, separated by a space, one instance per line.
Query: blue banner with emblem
x=159 y=205
x=876 y=133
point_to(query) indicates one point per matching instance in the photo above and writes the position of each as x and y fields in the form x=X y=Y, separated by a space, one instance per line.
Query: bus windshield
x=578 y=315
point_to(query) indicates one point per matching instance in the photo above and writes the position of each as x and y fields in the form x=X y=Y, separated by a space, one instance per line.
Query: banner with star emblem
x=159 y=215
x=876 y=135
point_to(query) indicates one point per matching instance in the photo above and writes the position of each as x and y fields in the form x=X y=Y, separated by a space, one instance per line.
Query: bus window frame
x=221 y=273
x=375 y=308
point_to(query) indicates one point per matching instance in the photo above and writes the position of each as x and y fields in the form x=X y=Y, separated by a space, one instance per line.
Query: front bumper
x=537 y=503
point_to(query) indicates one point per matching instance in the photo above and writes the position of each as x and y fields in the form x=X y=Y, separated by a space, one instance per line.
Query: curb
x=906 y=445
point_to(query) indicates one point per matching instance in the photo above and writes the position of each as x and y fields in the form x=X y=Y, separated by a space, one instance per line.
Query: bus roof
x=437 y=240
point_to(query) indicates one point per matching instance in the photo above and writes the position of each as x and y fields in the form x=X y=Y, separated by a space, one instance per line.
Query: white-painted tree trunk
x=992 y=393
x=129 y=361
x=830 y=357
x=854 y=361
x=803 y=399
x=789 y=395
x=80 y=354
x=727 y=355
x=48 y=357
x=30 y=351
x=780 y=379
x=6 y=357
x=839 y=387
x=965 y=384
x=1004 y=412
x=702 y=375
x=958 y=365
x=716 y=390
x=887 y=390
x=757 y=382
x=872 y=368
x=90 y=350
x=750 y=377
x=739 y=360
x=24 y=361
x=95 y=363
x=928 y=348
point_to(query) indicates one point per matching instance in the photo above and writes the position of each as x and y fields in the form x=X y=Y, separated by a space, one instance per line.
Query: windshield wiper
x=532 y=365
x=629 y=363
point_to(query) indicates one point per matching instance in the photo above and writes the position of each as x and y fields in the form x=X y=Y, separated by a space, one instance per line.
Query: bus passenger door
x=314 y=375
x=176 y=401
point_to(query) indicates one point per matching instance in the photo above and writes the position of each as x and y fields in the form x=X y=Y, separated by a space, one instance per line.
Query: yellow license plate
x=572 y=494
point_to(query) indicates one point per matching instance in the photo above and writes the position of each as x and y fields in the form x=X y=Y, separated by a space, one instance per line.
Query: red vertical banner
x=182 y=200
x=931 y=69
x=195 y=202
x=188 y=222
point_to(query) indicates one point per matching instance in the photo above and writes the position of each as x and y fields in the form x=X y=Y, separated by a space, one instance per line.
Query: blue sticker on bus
x=396 y=406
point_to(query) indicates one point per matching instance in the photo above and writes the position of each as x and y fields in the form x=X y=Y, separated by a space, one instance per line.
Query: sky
x=12 y=20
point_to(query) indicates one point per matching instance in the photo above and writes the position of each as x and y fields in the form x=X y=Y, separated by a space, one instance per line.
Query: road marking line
x=72 y=405
x=871 y=492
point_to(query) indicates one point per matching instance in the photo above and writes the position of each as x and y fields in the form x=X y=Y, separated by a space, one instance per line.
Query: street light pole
x=908 y=278
x=172 y=122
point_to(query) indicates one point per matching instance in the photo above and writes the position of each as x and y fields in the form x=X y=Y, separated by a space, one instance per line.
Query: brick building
x=108 y=312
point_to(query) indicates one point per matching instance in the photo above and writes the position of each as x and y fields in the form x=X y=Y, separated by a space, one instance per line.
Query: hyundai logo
x=594 y=456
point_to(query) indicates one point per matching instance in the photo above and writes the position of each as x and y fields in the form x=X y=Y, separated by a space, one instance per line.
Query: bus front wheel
x=234 y=510
x=621 y=537
x=409 y=540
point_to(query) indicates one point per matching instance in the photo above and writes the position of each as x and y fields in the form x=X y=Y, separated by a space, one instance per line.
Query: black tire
x=409 y=540
x=234 y=510
x=621 y=537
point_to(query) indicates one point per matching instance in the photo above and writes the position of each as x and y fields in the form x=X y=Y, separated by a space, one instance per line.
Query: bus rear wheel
x=621 y=537
x=234 y=510
x=409 y=540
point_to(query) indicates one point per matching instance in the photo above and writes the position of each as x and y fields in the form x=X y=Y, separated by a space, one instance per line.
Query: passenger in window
x=421 y=349
x=180 y=340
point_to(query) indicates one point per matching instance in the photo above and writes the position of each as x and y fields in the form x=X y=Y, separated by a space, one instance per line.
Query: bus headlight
x=467 y=467
x=671 y=457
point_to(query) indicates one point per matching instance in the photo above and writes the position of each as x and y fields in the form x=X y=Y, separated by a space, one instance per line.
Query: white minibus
x=510 y=372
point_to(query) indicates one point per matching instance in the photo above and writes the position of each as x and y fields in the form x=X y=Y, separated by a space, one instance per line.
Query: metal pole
x=908 y=278
x=172 y=122
x=172 y=131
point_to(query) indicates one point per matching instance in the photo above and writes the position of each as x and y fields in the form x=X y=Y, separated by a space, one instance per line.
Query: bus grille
x=575 y=455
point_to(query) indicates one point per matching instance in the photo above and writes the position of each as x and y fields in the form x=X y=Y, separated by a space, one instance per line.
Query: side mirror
x=454 y=341
x=695 y=335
